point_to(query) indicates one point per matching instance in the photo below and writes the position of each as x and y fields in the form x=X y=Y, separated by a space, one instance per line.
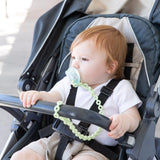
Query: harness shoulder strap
x=64 y=140
x=72 y=96
x=70 y=99
x=105 y=93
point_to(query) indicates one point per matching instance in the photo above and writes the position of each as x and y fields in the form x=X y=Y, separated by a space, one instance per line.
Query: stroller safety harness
x=66 y=134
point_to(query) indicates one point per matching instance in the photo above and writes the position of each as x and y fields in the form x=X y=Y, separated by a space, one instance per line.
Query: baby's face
x=90 y=62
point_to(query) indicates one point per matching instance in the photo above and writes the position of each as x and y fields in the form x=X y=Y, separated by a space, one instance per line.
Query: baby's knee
x=84 y=157
x=17 y=155
x=25 y=154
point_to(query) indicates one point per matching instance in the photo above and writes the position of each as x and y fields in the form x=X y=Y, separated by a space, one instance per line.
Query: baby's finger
x=29 y=99
x=113 y=124
x=35 y=97
x=21 y=96
x=24 y=99
x=115 y=135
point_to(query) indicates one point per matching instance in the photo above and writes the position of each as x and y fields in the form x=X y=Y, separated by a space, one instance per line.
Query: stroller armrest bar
x=68 y=111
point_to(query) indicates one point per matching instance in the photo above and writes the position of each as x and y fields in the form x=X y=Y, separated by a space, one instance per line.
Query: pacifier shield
x=73 y=74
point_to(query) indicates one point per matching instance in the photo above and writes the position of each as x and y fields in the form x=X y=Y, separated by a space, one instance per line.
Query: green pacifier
x=73 y=75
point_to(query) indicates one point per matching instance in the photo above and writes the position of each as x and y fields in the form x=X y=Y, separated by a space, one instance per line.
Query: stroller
x=50 y=58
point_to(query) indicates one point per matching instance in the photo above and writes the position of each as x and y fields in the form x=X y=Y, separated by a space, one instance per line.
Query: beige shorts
x=46 y=148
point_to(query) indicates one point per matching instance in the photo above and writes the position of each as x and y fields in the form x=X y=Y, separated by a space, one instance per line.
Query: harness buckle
x=106 y=91
x=56 y=124
x=83 y=130
x=64 y=130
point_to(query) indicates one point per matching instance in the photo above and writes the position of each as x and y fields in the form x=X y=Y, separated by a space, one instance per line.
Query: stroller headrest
x=143 y=46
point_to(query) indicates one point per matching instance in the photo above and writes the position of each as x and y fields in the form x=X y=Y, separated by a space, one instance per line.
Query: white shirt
x=122 y=98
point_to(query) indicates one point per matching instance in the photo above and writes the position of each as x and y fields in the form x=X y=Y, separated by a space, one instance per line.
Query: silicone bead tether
x=74 y=77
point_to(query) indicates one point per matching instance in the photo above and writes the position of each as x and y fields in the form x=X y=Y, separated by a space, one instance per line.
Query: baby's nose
x=75 y=64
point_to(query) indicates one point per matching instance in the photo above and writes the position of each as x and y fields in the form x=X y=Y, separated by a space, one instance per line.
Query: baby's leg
x=37 y=150
x=26 y=154
x=79 y=151
x=33 y=151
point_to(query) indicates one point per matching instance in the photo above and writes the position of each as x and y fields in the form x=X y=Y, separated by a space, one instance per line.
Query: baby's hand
x=118 y=126
x=127 y=121
x=29 y=98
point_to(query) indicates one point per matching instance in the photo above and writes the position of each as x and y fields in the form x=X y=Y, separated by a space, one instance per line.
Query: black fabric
x=109 y=152
x=46 y=131
x=129 y=57
x=62 y=146
x=71 y=96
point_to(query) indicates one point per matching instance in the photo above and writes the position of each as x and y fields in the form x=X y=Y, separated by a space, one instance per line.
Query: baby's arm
x=127 y=121
x=31 y=97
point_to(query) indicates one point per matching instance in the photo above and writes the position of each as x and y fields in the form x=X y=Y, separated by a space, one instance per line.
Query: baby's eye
x=85 y=59
x=73 y=57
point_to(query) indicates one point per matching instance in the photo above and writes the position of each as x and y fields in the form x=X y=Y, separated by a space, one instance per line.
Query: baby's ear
x=111 y=69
